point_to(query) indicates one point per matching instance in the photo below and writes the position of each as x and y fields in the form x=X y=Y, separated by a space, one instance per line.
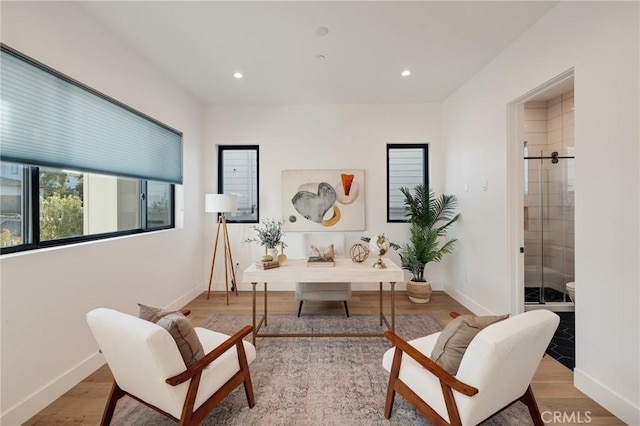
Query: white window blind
x=48 y=119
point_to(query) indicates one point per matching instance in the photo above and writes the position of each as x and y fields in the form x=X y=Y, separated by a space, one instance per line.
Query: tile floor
x=563 y=343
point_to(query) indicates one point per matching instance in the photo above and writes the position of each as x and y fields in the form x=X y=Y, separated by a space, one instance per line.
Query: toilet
x=571 y=289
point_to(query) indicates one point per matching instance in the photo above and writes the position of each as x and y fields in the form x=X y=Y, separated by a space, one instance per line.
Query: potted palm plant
x=430 y=218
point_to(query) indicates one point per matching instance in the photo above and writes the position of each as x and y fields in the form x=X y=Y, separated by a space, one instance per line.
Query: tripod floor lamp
x=222 y=203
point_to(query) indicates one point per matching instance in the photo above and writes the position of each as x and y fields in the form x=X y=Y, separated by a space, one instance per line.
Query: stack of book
x=270 y=264
x=320 y=261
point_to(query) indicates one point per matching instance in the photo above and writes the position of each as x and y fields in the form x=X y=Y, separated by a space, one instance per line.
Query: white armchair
x=147 y=365
x=324 y=291
x=495 y=371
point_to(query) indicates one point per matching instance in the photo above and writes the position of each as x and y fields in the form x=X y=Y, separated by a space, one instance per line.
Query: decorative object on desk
x=267 y=257
x=269 y=264
x=379 y=246
x=222 y=203
x=270 y=235
x=320 y=261
x=429 y=218
x=273 y=252
x=321 y=256
x=282 y=258
x=323 y=200
x=359 y=252
x=326 y=253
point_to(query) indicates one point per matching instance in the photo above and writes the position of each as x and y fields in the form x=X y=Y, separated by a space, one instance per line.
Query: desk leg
x=265 y=303
x=393 y=306
x=381 y=314
x=253 y=307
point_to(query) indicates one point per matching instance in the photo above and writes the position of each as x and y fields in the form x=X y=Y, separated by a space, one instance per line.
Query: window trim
x=425 y=158
x=222 y=148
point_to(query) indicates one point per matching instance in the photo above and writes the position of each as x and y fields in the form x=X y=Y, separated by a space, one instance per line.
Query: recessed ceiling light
x=238 y=75
x=322 y=31
x=406 y=73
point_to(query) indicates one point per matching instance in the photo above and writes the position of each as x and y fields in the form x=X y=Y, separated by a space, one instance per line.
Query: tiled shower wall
x=549 y=193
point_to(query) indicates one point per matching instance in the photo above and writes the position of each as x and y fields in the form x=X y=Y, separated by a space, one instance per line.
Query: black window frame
x=256 y=148
x=31 y=221
x=425 y=158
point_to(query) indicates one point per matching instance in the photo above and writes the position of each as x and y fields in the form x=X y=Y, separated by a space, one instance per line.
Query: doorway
x=549 y=187
x=541 y=190
x=541 y=196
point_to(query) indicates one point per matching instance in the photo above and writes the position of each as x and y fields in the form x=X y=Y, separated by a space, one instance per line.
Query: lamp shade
x=220 y=203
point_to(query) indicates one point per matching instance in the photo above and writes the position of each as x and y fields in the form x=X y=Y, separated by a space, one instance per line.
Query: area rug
x=315 y=381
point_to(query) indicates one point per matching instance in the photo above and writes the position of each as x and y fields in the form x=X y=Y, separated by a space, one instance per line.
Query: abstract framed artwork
x=323 y=200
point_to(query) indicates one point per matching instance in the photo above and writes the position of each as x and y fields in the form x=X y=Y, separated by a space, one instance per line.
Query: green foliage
x=58 y=183
x=430 y=217
x=269 y=233
x=60 y=216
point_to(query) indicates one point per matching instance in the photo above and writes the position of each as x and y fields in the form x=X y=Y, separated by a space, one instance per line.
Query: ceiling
x=201 y=44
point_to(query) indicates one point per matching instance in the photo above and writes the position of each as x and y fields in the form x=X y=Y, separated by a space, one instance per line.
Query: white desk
x=345 y=270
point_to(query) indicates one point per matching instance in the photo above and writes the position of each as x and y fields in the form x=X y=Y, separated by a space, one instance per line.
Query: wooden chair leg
x=189 y=402
x=346 y=308
x=530 y=401
x=114 y=396
x=391 y=389
x=299 y=308
x=244 y=366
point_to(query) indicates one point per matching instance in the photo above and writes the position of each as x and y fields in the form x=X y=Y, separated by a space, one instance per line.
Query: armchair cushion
x=455 y=338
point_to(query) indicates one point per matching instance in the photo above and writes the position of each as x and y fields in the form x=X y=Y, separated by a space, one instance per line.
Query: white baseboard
x=622 y=408
x=37 y=401
x=468 y=303
x=186 y=298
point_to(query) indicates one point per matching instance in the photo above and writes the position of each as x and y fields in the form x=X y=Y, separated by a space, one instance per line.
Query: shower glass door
x=548 y=225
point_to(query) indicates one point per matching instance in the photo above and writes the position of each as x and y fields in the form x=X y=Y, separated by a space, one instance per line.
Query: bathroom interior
x=549 y=183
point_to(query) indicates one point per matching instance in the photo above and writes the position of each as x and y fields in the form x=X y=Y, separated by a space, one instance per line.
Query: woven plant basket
x=419 y=292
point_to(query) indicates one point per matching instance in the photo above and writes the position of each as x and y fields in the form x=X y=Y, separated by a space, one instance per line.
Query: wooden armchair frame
x=448 y=383
x=193 y=373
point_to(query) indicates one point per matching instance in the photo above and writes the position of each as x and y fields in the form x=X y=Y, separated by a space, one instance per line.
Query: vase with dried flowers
x=269 y=233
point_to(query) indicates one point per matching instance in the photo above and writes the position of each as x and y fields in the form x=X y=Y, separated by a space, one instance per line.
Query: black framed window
x=44 y=206
x=407 y=166
x=238 y=175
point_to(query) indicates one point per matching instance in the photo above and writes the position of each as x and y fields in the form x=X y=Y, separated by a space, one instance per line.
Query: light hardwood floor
x=552 y=384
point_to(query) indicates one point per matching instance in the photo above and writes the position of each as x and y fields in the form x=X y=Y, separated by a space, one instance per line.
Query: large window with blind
x=76 y=165
x=238 y=175
x=407 y=166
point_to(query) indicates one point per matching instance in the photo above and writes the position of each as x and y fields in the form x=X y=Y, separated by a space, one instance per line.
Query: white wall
x=46 y=345
x=319 y=137
x=601 y=41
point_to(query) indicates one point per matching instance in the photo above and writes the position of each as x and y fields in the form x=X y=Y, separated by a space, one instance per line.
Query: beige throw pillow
x=151 y=313
x=179 y=327
x=456 y=337
x=182 y=331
